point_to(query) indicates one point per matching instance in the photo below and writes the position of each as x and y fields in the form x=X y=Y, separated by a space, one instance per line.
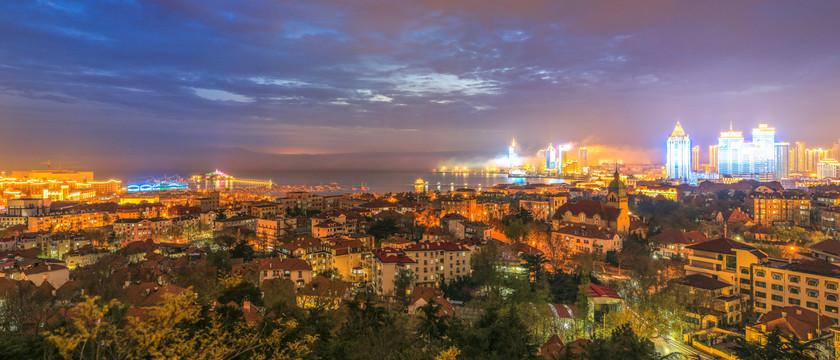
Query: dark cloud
x=131 y=78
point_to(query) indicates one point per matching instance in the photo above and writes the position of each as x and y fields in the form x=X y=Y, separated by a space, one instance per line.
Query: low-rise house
x=672 y=243
x=246 y=222
x=297 y=270
x=795 y=322
x=712 y=303
x=313 y=250
x=83 y=257
x=323 y=293
x=52 y=273
x=588 y=238
x=828 y=250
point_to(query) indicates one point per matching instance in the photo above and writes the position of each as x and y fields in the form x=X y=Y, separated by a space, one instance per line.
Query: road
x=665 y=345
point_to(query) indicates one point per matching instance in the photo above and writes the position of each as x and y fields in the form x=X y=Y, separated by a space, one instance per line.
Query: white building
x=679 y=154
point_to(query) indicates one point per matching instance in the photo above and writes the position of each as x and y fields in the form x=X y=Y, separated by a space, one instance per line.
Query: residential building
x=792 y=207
x=588 y=238
x=314 y=251
x=798 y=323
x=141 y=229
x=436 y=262
x=348 y=256
x=296 y=270
x=384 y=266
x=672 y=243
x=712 y=303
x=725 y=260
x=811 y=283
x=245 y=222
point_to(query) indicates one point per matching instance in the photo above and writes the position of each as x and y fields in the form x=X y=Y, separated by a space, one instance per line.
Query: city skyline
x=160 y=85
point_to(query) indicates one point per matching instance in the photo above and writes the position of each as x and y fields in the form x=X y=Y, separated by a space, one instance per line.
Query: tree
x=777 y=346
x=171 y=330
x=242 y=250
x=220 y=259
x=402 y=284
x=241 y=292
x=623 y=343
x=516 y=231
x=383 y=228
x=534 y=263
x=481 y=341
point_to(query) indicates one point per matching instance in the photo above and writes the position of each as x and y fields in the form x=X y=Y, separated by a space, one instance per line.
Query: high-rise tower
x=679 y=154
x=512 y=154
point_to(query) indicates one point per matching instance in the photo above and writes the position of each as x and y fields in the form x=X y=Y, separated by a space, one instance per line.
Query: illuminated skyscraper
x=763 y=152
x=512 y=154
x=679 y=154
x=758 y=159
x=782 y=150
x=828 y=169
x=583 y=160
x=713 y=157
x=695 y=158
x=730 y=147
x=801 y=158
x=550 y=157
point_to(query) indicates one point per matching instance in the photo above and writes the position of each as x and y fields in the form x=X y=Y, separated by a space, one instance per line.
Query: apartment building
x=384 y=266
x=66 y=221
x=725 y=260
x=780 y=207
x=296 y=270
x=811 y=283
x=141 y=229
x=348 y=257
x=313 y=250
x=588 y=238
x=435 y=262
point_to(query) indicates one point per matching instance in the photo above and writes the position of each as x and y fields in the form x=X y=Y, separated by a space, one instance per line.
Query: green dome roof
x=617 y=186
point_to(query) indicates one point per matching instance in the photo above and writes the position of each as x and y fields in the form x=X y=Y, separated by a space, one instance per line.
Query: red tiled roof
x=595 y=291
x=830 y=246
x=677 y=236
x=738 y=216
x=704 y=282
x=552 y=346
x=526 y=249
x=796 y=320
x=285 y=264
x=588 y=207
x=721 y=246
x=433 y=245
x=42 y=268
x=391 y=255
x=816 y=266
x=587 y=231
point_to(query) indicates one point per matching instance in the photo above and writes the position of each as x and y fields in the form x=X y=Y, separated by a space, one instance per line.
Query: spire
x=678 y=130
x=730 y=126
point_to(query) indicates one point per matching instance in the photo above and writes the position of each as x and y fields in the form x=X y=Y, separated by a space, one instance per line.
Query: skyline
x=169 y=84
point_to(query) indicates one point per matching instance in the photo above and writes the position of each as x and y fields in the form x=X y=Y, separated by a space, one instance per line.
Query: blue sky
x=113 y=80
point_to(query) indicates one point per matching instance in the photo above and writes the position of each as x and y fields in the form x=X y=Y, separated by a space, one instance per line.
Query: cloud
x=221 y=95
x=380 y=98
x=463 y=76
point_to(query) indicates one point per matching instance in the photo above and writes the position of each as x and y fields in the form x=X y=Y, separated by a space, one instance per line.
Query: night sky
x=171 y=84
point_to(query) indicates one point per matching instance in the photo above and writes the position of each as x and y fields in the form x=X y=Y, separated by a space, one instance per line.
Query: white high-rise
x=679 y=154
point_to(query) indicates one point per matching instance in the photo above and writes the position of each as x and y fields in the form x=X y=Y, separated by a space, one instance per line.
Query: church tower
x=617 y=198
